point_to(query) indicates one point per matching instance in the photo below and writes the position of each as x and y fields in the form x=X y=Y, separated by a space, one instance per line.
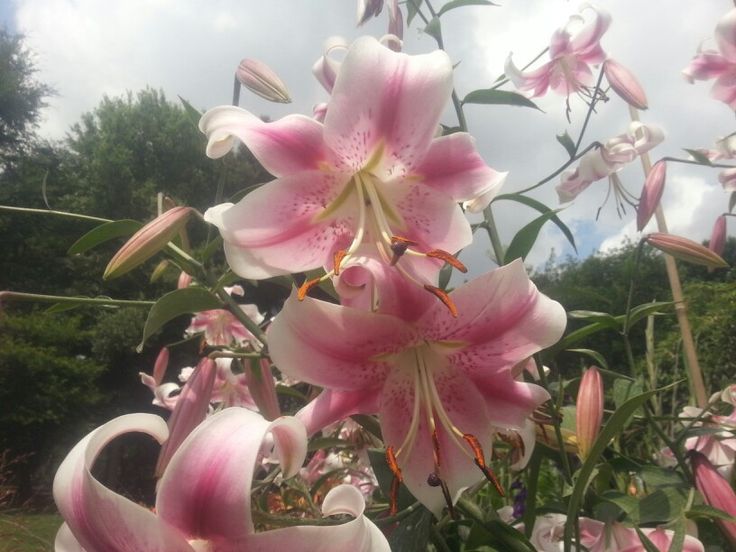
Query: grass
x=27 y=532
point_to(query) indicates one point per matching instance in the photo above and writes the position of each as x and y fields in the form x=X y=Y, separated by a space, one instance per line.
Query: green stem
x=437 y=539
x=632 y=283
x=532 y=483
x=560 y=168
x=591 y=108
x=243 y=318
x=556 y=417
x=287 y=521
x=399 y=516
x=490 y=226
x=52 y=212
x=693 y=162
x=37 y=298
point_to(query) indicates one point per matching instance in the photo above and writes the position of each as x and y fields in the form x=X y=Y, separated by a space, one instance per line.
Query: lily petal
x=332 y=406
x=100 y=519
x=725 y=35
x=466 y=409
x=586 y=43
x=511 y=322
x=65 y=540
x=334 y=346
x=707 y=65
x=205 y=491
x=374 y=106
x=454 y=167
x=288 y=145
x=276 y=229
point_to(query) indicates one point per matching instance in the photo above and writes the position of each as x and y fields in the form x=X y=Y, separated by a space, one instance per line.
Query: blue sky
x=87 y=48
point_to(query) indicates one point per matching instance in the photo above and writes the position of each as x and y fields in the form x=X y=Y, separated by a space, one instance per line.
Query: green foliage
x=21 y=98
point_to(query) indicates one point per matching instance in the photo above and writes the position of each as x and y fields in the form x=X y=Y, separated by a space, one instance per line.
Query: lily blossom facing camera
x=373 y=174
x=204 y=497
x=439 y=383
x=572 y=50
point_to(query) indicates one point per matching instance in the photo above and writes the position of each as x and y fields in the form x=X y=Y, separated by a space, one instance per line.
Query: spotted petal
x=375 y=108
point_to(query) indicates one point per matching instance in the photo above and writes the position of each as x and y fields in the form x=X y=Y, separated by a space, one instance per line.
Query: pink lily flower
x=203 y=500
x=221 y=328
x=609 y=159
x=718 y=64
x=727 y=178
x=548 y=531
x=572 y=50
x=717 y=241
x=716 y=491
x=373 y=174
x=725 y=149
x=719 y=448
x=439 y=383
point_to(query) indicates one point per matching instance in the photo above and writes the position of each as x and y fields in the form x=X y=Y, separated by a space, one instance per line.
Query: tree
x=21 y=98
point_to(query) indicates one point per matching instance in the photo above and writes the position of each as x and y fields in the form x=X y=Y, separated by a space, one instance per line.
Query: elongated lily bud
x=148 y=241
x=624 y=83
x=685 y=250
x=589 y=410
x=263 y=389
x=260 y=79
x=159 y=367
x=716 y=491
x=718 y=236
x=190 y=410
x=651 y=194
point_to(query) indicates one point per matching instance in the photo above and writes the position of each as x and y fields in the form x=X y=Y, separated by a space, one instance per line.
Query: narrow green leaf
x=542 y=208
x=731 y=202
x=705 y=511
x=412 y=9
x=412 y=534
x=623 y=390
x=642 y=311
x=577 y=335
x=500 y=536
x=434 y=29
x=490 y=96
x=594 y=316
x=175 y=303
x=192 y=112
x=459 y=3
x=648 y=545
x=613 y=426
x=595 y=355
x=567 y=143
x=698 y=156
x=61 y=307
x=104 y=232
x=524 y=239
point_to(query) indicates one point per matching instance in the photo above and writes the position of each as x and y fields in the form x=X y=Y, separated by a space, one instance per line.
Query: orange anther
x=393 y=507
x=436 y=448
x=480 y=461
x=448 y=258
x=396 y=240
x=337 y=260
x=305 y=287
x=444 y=297
x=393 y=464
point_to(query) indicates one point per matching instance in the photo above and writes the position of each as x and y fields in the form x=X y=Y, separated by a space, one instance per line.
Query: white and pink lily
x=718 y=447
x=203 y=501
x=221 y=328
x=440 y=384
x=596 y=536
x=373 y=174
x=718 y=64
x=573 y=49
x=608 y=159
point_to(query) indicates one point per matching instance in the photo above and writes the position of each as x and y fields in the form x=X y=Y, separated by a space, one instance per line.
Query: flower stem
x=243 y=318
x=694 y=372
x=38 y=298
x=52 y=212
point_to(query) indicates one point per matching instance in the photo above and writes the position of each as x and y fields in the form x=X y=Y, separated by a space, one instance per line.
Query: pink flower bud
x=184 y=280
x=190 y=410
x=718 y=236
x=716 y=491
x=159 y=367
x=651 y=194
x=624 y=83
x=589 y=410
x=148 y=241
x=685 y=250
x=263 y=389
x=260 y=79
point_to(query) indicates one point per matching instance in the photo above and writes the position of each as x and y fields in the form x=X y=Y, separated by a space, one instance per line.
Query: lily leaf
x=698 y=156
x=490 y=96
x=460 y=3
x=542 y=208
x=175 y=303
x=524 y=239
x=567 y=143
x=412 y=9
x=104 y=232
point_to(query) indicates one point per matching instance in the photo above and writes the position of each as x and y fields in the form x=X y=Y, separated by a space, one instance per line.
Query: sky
x=87 y=48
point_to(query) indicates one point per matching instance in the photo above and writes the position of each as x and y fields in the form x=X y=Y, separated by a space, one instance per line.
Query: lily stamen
x=444 y=297
x=480 y=461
